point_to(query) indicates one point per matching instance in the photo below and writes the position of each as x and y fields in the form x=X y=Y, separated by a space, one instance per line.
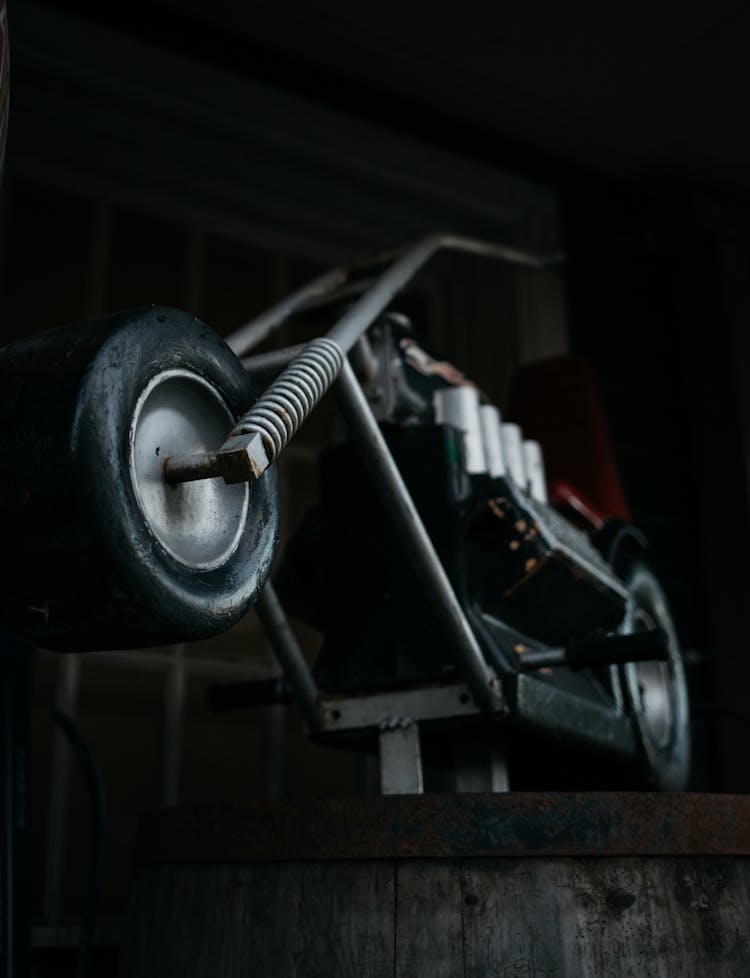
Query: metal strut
x=399 y=505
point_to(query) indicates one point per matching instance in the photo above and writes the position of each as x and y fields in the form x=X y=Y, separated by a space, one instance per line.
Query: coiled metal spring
x=279 y=412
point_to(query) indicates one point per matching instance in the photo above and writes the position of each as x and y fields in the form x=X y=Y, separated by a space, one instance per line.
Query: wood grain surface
x=635 y=917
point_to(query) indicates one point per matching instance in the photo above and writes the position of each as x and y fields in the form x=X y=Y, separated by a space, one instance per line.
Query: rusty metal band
x=532 y=824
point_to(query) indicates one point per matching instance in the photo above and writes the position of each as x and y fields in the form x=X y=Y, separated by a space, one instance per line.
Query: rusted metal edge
x=451 y=826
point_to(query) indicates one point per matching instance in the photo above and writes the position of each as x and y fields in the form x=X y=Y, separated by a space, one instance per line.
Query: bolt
x=240 y=459
x=243 y=458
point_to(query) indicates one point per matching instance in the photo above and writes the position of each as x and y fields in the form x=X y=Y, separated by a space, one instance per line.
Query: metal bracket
x=400 y=757
x=374 y=710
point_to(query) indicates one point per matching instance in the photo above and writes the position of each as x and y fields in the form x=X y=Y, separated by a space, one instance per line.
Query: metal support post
x=400 y=757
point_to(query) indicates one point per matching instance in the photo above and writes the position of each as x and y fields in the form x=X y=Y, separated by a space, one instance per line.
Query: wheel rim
x=655 y=684
x=657 y=691
x=200 y=523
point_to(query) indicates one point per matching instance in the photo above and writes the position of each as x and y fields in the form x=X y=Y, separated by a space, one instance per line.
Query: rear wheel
x=656 y=692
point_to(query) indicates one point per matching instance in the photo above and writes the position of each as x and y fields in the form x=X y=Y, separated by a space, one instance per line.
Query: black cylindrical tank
x=101 y=552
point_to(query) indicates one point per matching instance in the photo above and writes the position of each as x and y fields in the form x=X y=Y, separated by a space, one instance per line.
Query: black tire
x=656 y=692
x=92 y=573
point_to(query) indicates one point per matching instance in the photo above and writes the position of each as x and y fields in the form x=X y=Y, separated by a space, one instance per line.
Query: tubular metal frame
x=404 y=265
x=408 y=524
x=401 y=268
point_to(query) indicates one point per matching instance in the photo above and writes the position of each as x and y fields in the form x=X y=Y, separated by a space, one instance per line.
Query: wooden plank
x=347 y=921
x=265 y=922
x=519 y=919
x=151 y=893
x=616 y=930
x=429 y=927
x=701 y=910
x=636 y=917
x=221 y=921
x=181 y=922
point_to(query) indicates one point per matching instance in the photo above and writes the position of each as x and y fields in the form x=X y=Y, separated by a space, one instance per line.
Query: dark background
x=213 y=156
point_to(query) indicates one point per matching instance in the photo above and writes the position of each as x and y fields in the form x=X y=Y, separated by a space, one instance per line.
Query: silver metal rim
x=654 y=685
x=199 y=524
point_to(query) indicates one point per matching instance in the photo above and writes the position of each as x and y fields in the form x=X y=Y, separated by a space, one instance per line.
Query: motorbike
x=484 y=626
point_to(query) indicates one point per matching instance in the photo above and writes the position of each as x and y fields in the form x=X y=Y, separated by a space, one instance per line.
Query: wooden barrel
x=467 y=885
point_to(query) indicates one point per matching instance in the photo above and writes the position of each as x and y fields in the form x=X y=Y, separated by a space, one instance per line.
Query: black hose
x=85 y=757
